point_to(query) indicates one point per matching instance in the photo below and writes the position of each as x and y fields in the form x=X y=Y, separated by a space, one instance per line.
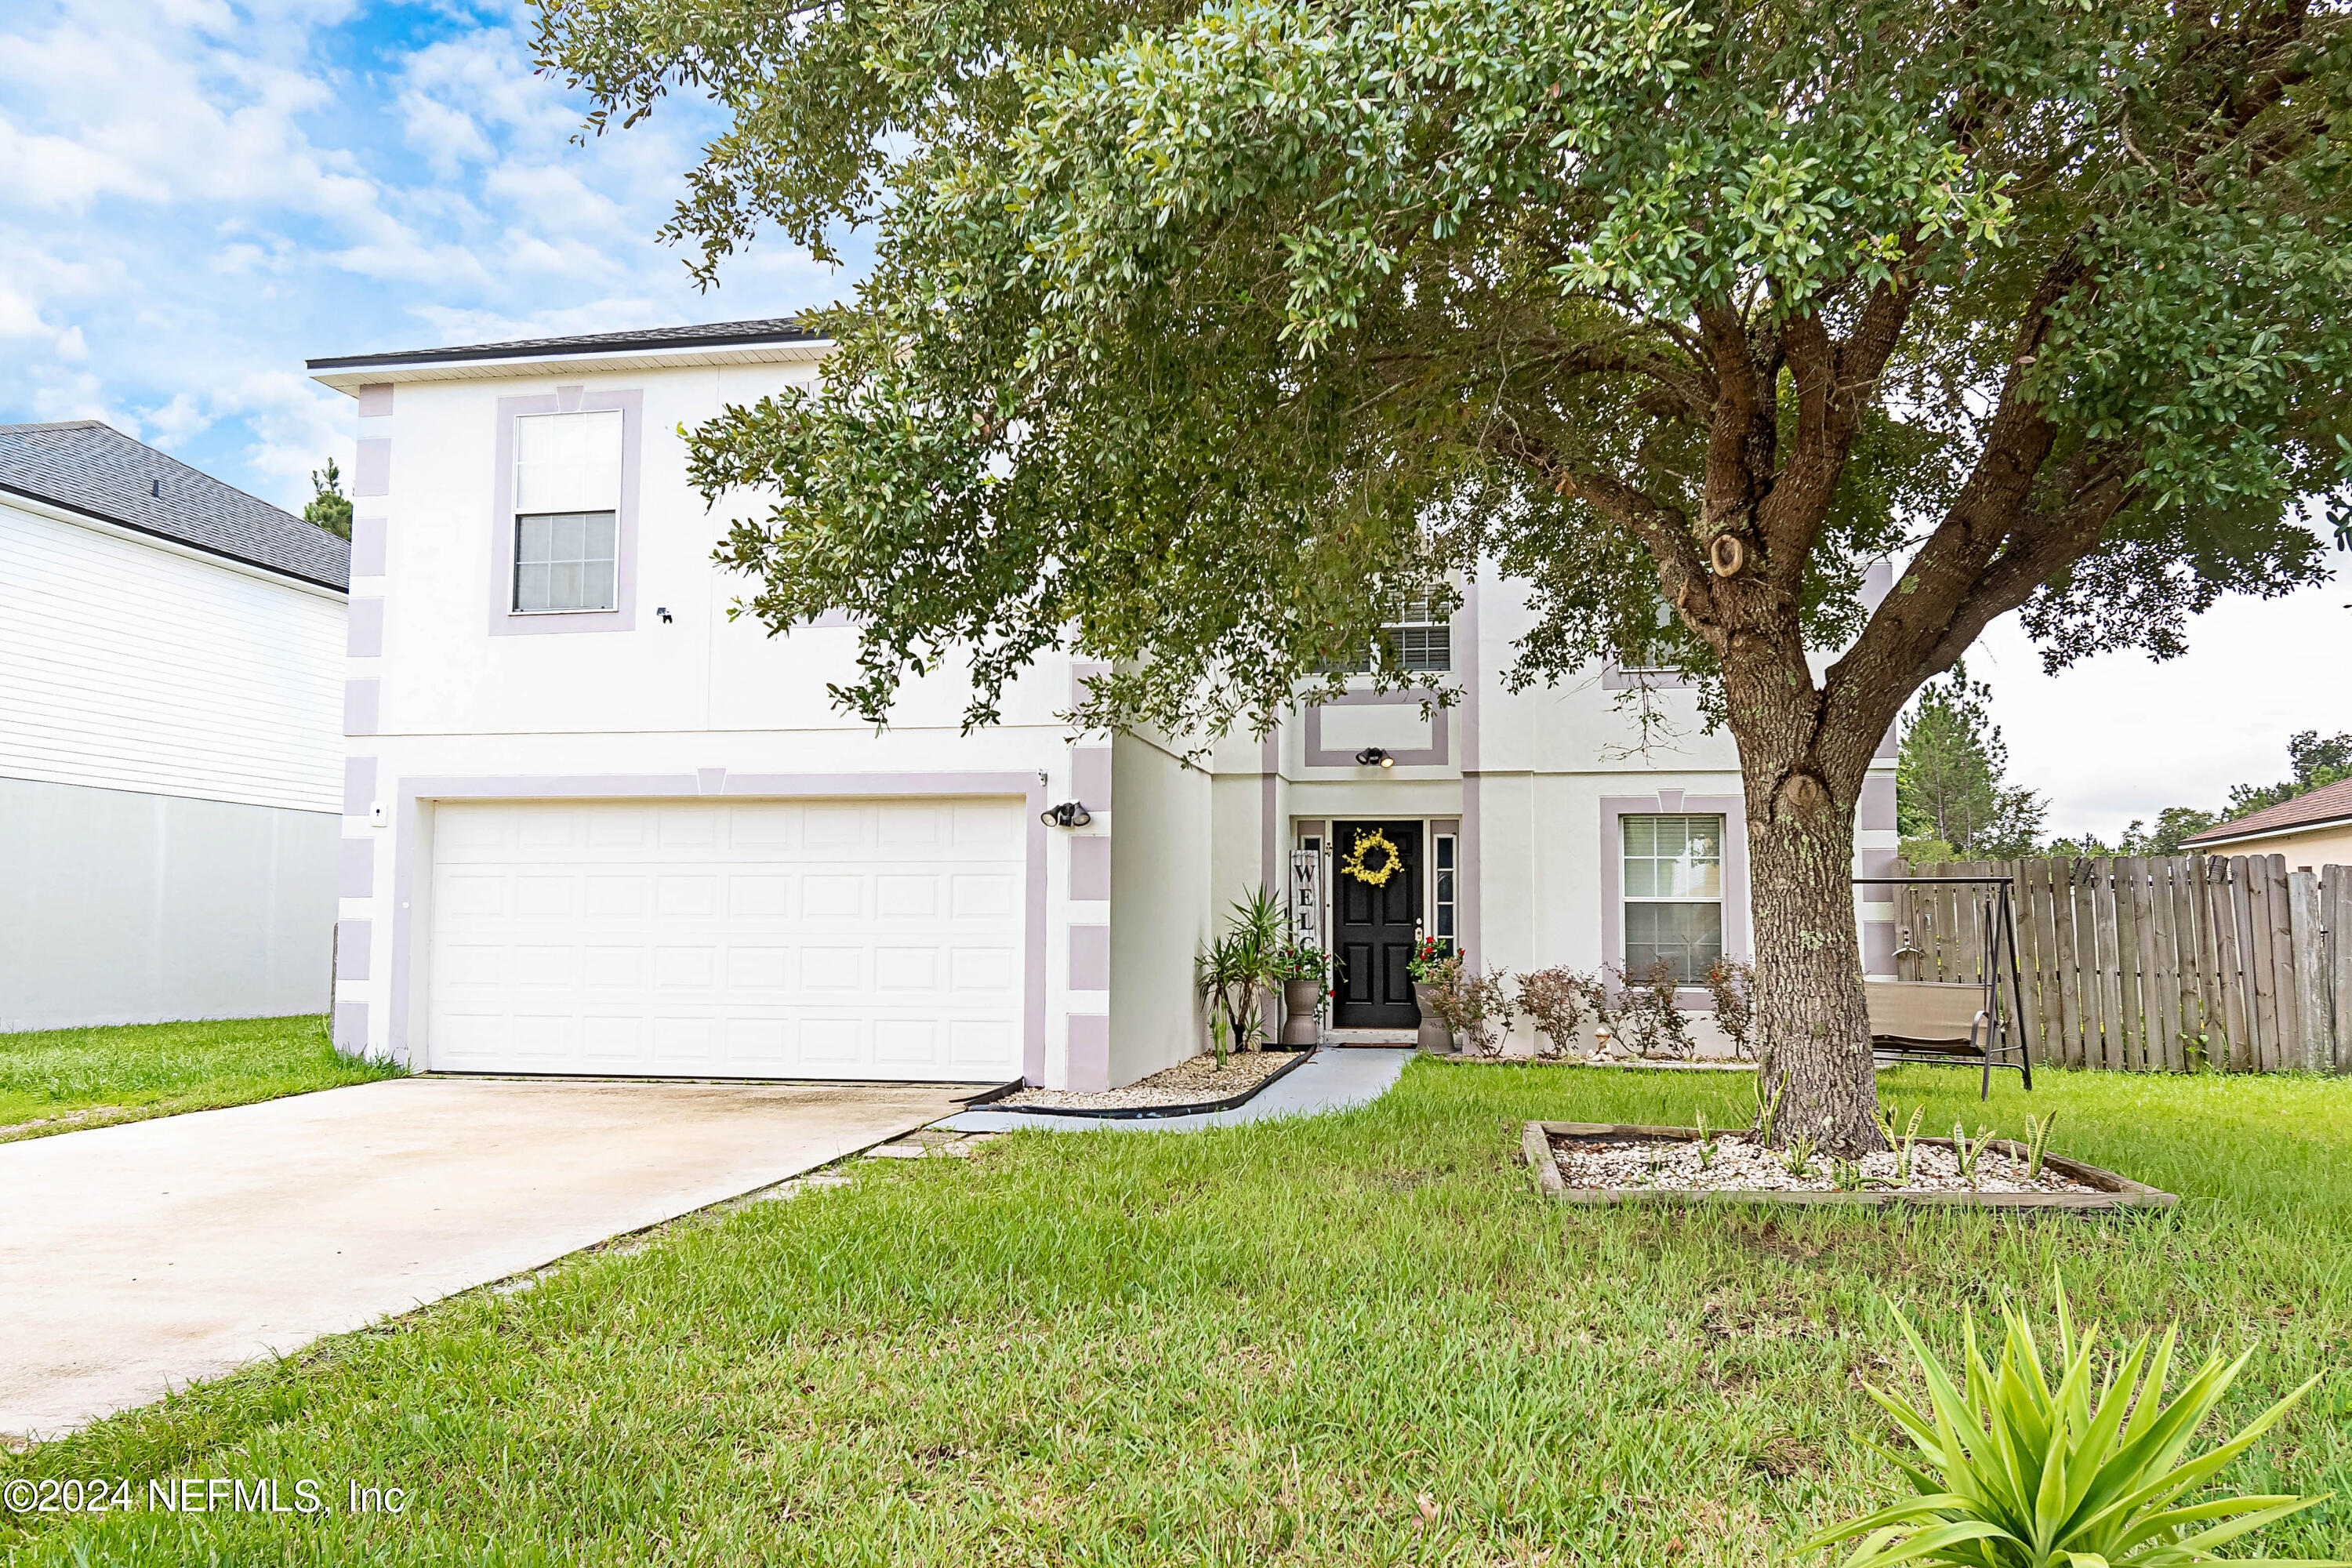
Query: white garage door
x=858 y=939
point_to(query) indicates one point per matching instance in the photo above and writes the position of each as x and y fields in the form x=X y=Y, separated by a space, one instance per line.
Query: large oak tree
x=1195 y=335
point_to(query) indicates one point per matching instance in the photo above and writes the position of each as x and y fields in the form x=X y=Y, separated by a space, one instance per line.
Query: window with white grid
x=1673 y=895
x=1416 y=640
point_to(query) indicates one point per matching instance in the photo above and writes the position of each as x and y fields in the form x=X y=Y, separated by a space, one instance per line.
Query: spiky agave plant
x=2017 y=1473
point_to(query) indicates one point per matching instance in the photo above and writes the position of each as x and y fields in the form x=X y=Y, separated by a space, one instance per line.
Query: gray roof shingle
x=91 y=468
x=714 y=334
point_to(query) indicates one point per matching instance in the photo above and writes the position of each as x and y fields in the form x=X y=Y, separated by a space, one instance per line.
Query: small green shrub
x=2016 y=1474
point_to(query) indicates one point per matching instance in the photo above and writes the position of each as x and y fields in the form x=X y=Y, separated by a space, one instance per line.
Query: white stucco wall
x=1163 y=912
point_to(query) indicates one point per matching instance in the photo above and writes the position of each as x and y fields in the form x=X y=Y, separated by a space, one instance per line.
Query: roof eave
x=348 y=375
x=2201 y=841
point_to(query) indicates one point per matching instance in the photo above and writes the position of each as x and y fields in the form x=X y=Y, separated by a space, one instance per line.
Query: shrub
x=1233 y=975
x=2021 y=1469
x=1732 y=983
x=1470 y=1004
x=1558 y=1000
x=1647 y=1019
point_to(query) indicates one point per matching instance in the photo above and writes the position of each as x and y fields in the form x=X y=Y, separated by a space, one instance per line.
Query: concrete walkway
x=136 y=1259
x=1332 y=1079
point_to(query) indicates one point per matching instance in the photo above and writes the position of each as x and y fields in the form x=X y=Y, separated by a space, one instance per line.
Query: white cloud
x=196 y=194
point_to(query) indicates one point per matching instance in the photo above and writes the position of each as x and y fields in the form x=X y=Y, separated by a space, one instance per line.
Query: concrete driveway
x=136 y=1259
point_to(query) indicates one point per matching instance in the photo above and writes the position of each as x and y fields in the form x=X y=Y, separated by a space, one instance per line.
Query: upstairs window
x=1655 y=656
x=1417 y=640
x=567 y=490
x=1673 y=895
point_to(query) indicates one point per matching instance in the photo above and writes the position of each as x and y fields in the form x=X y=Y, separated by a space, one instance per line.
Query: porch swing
x=1966 y=1022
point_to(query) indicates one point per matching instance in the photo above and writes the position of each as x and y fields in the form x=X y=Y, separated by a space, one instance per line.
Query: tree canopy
x=1196 y=333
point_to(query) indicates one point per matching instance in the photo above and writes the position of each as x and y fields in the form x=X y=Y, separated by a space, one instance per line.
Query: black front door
x=1374 y=927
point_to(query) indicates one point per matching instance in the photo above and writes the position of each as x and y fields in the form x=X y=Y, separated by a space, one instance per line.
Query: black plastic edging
x=1160 y=1113
x=989 y=1096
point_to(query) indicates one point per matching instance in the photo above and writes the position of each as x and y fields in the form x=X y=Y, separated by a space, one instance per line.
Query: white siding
x=129 y=666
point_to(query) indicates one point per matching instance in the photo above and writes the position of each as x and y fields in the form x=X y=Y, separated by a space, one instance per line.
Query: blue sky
x=195 y=196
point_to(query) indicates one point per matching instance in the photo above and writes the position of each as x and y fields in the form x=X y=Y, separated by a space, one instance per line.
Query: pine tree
x=1951 y=800
x=329 y=507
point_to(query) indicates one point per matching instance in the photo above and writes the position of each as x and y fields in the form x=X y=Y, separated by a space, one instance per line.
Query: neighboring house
x=170 y=656
x=2311 y=830
x=595 y=825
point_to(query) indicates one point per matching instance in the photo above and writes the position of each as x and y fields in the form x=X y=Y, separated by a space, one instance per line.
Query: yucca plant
x=2017 y=1473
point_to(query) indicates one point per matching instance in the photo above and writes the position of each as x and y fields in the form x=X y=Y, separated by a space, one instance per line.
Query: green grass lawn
x=1359 y=1338
x=61 y=1080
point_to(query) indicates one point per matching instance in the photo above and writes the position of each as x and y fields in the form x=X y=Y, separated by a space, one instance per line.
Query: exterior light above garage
x=1373 y=757
x=1069 y=814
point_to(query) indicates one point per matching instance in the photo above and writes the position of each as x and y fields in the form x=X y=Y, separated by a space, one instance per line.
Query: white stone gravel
x=1192 y=1082
x=1740 y=1166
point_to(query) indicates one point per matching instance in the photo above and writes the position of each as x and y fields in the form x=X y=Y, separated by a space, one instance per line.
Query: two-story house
x=592 y=824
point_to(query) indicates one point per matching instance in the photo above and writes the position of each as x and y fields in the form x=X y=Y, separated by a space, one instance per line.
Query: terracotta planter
x=1301 y=1001
x=1434 y=1036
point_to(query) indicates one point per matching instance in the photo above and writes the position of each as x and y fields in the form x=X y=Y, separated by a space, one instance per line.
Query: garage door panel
x=458 y=893
x=620 y=895
x=618 y=827
x=759 y=968
x=830 y=1044
x=982 y=970
x=684 y=897
x=758 y=938
x=686 y=968
x=833 y=896
x=544 y=966
x=976 y=1044
x=833 y=826
x=606 y=1041
x=908 y=827
x=759 y=894
x=688 y=827
x=979 y=897
x=987 y=828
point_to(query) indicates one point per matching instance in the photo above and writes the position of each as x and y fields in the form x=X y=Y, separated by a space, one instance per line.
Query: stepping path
x=1332 y=1079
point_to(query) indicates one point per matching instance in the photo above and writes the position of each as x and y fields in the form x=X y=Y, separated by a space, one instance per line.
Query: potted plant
x=1301 y=966
x=1431 y=969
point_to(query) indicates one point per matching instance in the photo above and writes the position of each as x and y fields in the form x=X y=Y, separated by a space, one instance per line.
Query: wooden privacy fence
x=2146 y=964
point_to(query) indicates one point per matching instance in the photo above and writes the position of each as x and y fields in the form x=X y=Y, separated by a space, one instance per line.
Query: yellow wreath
x=1354 y=865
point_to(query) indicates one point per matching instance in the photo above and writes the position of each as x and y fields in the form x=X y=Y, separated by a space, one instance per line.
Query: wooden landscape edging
x=2115 y=1192
x=2126 y=961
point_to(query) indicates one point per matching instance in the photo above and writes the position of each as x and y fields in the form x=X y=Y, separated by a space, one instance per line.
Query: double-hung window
x=1656 y=655
x=1673 y=895
x=567 y=500
x=1418 y=639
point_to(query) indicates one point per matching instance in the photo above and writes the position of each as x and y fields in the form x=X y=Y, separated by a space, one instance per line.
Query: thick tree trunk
x=1811 y=1021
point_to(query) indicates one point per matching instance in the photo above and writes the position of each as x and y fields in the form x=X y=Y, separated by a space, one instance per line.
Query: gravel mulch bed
x=1739 y=1165
x=1186 y=1083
